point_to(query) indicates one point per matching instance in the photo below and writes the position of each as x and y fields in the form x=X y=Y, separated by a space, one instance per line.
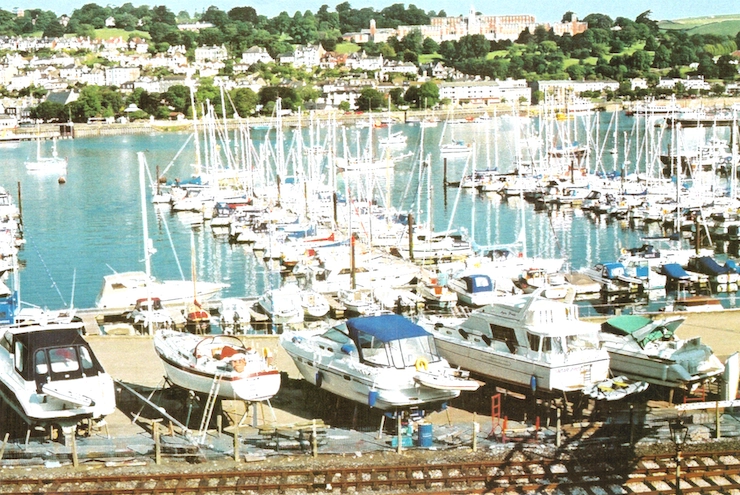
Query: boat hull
x=504 y=367
x=195 y=362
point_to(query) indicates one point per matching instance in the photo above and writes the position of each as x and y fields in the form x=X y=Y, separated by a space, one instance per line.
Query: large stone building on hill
x=493 y=27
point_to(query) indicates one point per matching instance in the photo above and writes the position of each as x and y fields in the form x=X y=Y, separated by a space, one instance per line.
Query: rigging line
x=43 y=263
x=172 y=244
x=555 y=234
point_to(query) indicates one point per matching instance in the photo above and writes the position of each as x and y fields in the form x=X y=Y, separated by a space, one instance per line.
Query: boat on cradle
x=283 y=305
x=149 y=316
x=219 y=364
x=436 y=294
x=679 y=279
x=197 y=319
x=648 y=349
x=315 y=305
x=385 y=361
x=234 y=315
x=724 y=278
x=50 y=376
x=530 y=343
x=120 y=291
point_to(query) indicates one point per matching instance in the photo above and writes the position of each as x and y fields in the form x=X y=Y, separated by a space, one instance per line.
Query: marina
x=362 y=241
x=94 y=217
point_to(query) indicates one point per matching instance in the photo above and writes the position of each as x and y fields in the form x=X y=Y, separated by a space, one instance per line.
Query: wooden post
x=557 y=427
x=73 y=439
x=398 y=432
x=444 y=172
x=157 y=444
x=716 y=420
x=314 y=440
x=236 y=442
x=476 y=429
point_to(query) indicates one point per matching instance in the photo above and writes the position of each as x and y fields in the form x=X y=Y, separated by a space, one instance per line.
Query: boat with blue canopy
x=385 y=361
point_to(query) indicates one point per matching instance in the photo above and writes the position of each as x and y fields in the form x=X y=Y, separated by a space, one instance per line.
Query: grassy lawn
x=347 y=48
x=107 y=33
x=428 y=58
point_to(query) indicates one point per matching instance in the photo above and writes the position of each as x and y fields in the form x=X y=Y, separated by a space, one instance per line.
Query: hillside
x=720 y=25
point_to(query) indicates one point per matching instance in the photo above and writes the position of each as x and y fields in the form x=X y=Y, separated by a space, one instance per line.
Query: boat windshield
x=581 y=341
x=401 y=353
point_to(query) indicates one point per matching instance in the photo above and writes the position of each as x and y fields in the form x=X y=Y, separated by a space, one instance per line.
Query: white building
x=485 y=92
x=116 y=76
x=210 y=54
x=574 y=87
x=256 y=54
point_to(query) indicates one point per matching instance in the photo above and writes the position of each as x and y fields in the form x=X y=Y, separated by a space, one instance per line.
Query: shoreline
x=67 y=130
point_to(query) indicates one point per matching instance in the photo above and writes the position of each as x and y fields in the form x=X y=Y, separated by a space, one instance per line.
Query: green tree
x=429 y=46
x=49 y=111
x=370 y=99
x=245 y=101
x=178 y=97
x=428 y=94
x=87 y=105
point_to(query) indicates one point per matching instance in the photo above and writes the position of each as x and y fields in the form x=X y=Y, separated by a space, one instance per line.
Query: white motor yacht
x=385 y=361
x=50 y=375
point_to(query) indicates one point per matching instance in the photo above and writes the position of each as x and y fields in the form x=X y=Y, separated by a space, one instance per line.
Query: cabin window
x=63 y=360
x=20 y=357
x=406 y=352
x=534 y=342
x=86 y=359
x=505 y=335
x=42 y=367
x=373 y=350
x=552 y=344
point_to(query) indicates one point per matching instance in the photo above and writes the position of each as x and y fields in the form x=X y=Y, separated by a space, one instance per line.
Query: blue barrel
x=425 y=435
x=372 y=398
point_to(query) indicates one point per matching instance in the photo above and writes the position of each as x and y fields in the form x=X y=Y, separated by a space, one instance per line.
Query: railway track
x=709 y=472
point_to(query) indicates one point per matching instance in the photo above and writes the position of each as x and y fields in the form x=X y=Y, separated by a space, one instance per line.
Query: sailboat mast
x=144 y=220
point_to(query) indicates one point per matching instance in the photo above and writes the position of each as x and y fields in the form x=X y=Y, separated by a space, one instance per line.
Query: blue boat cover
x=709 y=266
x=675 y=271
x=731 y=265
x=478 y=283
x=385 y=327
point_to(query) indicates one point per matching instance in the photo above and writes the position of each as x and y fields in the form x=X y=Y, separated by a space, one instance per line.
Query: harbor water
x=91 y=225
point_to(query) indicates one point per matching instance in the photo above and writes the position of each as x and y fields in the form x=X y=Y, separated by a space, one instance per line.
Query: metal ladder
x=210 y=404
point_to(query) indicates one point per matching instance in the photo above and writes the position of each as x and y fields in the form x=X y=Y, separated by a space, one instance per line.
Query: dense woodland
x=618 y=49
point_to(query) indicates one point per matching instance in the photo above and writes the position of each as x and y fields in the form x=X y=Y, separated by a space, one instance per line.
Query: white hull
x=75 y=387
x=331 y=360
x=528 y=341
x=121 y=291
x=256 y=382
x=509 y=368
